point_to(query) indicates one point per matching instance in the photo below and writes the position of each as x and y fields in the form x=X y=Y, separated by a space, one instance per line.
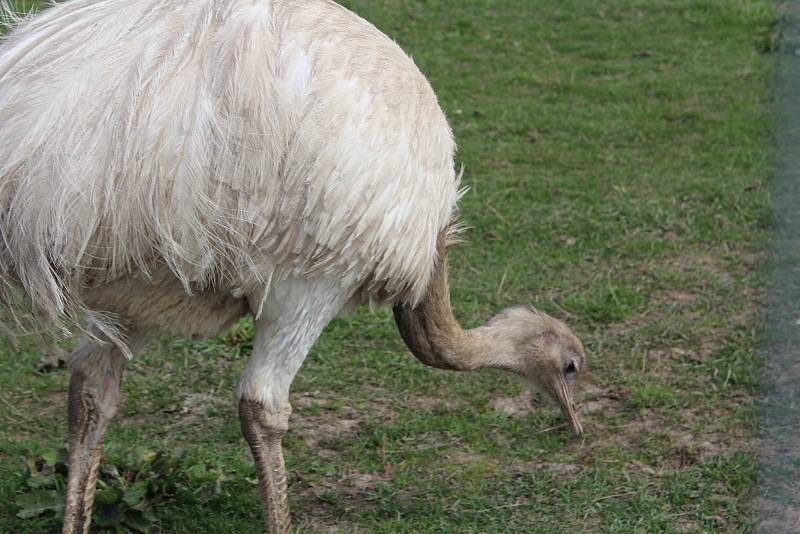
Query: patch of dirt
x=684 y=447
x=689 y=450
x=519 y=406
x=554 y=467
x=706 y=349
x=352 y=486
x=463 y=457
x=320 y=423
x=643 y=467
x=321 y=426
x=593 y=407
x=597 y=400
x=319 y=525
x=363 y=482
x=322 y=431
x=308 y=399
x=435 y=403
x=199 y=404
x=193 y=408
x=708 y=262
x=383 y=399
x=684 y=526
x=675 y=296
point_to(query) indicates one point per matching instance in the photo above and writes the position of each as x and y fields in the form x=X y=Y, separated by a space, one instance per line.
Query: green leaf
x=108 y=495
x=197 y=472
x=108 y=515
x=149 y=515
x=134 y=494
x=39 y=502
x=139 y=522
x=40 y=481
x=54 y=457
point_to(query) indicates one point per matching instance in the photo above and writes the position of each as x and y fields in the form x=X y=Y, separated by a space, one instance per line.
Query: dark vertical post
x=778 y=494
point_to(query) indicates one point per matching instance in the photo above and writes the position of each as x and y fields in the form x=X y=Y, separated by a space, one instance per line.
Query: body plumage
x=167 y=167
x=221 y=145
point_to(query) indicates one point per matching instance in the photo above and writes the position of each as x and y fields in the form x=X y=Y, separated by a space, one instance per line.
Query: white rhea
x=169 y=166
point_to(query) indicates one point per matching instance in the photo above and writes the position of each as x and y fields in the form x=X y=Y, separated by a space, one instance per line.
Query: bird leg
x=292 y=319
x=94 y=392
x=263 y=430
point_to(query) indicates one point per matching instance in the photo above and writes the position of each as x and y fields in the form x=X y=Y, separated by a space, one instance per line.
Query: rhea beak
x=565 y=402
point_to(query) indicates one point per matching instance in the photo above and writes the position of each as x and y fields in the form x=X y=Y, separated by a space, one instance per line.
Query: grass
x=617 y=154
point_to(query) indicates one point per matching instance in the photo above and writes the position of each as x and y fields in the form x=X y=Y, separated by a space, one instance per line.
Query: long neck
x=434 y=336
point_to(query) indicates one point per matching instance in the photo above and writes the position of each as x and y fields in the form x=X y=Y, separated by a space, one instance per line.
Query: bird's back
x=236 y=141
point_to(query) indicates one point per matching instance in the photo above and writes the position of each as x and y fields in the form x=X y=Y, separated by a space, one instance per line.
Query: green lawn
x=618 y=155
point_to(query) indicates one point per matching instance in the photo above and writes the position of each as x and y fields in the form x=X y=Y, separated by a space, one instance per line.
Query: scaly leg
x=94 y=386
x=263 y=430
x=293 y=318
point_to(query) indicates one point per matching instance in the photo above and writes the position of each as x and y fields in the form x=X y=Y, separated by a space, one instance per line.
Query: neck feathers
x=433 y=334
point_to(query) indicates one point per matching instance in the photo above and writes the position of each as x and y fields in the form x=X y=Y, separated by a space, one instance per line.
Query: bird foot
x=91 y=406
x=263 y=430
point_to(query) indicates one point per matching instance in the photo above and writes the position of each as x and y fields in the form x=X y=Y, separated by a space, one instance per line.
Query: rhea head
x=543 y=351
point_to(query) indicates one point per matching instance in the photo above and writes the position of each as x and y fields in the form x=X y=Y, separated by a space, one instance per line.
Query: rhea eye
x=570 y=368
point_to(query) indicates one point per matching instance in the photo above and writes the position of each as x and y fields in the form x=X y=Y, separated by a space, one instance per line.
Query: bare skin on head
x=520 y=340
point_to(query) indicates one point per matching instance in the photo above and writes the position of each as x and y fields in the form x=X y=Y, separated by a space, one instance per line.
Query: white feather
x=239 y=143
